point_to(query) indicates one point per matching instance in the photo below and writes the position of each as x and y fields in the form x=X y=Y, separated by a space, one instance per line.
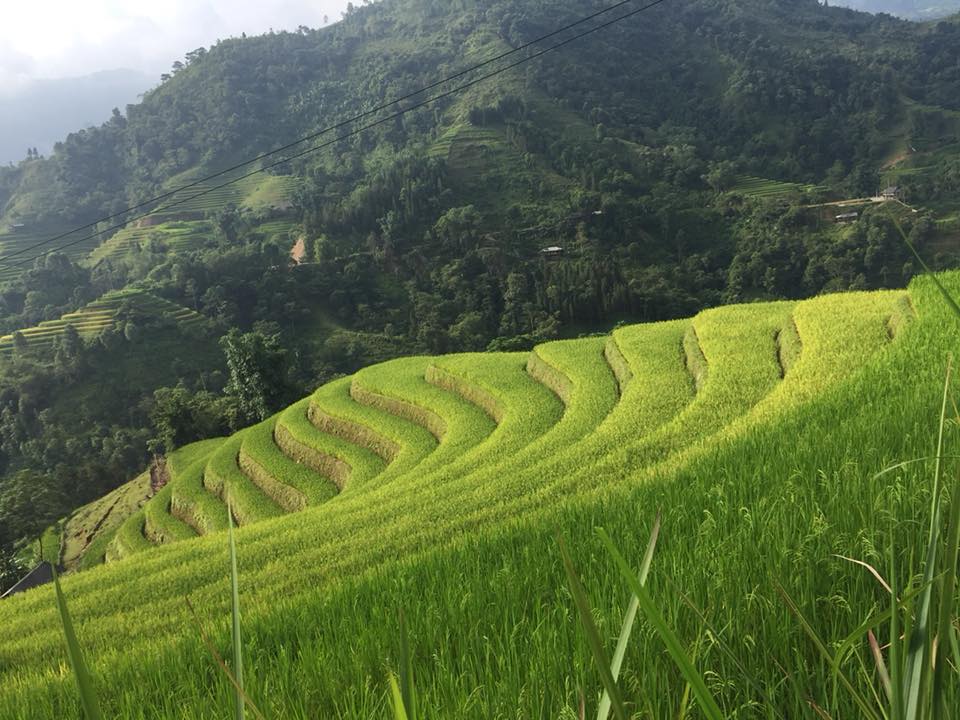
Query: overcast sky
x=69 y=38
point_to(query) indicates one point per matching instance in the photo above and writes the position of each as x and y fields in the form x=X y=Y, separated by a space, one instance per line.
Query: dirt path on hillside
x=298 y=251
x=896 y=159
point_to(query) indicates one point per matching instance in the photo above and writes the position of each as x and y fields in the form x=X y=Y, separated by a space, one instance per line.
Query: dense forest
x=626 y=151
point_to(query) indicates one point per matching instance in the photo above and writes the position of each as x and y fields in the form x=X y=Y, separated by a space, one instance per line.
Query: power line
x=356 y=131
x=306 y=138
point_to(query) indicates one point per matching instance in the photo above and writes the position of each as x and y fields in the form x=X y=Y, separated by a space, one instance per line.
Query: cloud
x=64 y=38
x=16 y=69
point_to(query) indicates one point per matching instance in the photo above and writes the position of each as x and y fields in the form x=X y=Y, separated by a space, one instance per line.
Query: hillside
x=415 y=349
x=757 y=429
x=528 y=149
x=111 y=312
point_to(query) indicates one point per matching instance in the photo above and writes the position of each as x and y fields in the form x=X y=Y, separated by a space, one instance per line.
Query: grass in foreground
x=491 y=627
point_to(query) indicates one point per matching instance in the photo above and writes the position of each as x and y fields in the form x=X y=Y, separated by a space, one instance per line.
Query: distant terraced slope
x=102 y=314
x=176 y=235
x=756 y=187
x=419 y=452
x=22 y=242
x=179 y=223
x=257 y=192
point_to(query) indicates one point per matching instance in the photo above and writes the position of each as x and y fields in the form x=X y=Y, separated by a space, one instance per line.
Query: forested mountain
x=676 y=160
x=912 y=9
x=40 y=114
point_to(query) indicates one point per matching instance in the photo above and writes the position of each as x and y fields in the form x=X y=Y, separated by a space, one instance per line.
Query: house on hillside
x=890 y=193
x=846 y=218
x=552 y=251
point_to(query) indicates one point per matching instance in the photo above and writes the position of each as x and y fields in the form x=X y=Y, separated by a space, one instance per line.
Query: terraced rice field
x=438 y=485
x=275 y=229
x=100 y=315
x=19 y=240
x=177 y=236
x=179 y=224
x=756 y=187
x=257 y=192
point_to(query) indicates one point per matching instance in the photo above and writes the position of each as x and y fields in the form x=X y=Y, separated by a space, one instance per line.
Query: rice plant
x=454 y=476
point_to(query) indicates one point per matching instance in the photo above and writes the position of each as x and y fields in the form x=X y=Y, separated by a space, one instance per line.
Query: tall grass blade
x=235 y=614
x=870 y=568
x=724 y=646
x=896 y=647
x=705 y=700
x=822 y=649
x=881 y=665
x=896 y=467
x=919 y=652
x=955 y=646
x=603 y=711
x=853 y=640
x=88 y=696
x=948 y=584
x=407 y=687
x=943 y=290
x=593 y=635
x=220 y=661
x=396 y=697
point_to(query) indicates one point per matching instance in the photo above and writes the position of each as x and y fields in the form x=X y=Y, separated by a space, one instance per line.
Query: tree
x=228 y=224
x=67 y=351
x=180 y=417
x=131 y=331
x=258 y=372
x=28 y=503
x=721 y=176
x=20 y=343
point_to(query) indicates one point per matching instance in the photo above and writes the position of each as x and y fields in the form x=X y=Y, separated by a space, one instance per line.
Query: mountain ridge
x=42 y=113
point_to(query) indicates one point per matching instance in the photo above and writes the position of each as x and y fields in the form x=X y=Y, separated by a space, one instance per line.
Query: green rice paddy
x=756 y=187
x=101 y=315
x=437 y=486
x=22 y=242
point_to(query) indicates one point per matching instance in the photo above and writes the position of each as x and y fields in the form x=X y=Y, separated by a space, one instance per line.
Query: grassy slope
x=771 y=492
x=91 y=528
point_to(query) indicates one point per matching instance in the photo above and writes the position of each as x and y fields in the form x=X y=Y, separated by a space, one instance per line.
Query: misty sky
x=69 y=38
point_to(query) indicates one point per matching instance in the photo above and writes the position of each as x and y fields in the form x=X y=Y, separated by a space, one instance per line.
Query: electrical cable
x=345 y=136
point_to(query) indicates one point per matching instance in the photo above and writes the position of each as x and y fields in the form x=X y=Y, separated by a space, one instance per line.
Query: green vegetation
x=109 y=312
x=223 y=477
x=913 y=9
x=667 y=191
x=289 y=484
x=437 y=484
x=88 y=532
x=159 y=526
x=457 y=472
x=16 y=240
x=173 y=236
x=255 y=193
x=755 y=187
